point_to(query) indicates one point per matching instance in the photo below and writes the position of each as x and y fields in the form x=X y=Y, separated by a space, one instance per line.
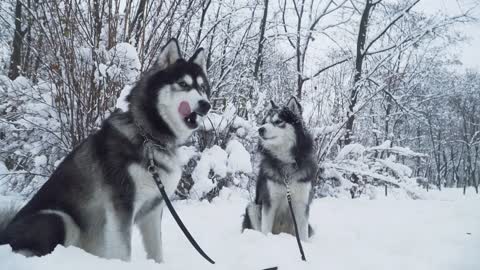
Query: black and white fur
x=286 y=149
x=102 y=188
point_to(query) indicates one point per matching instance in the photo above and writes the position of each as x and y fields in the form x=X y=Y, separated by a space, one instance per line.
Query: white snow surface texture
x=442 y=232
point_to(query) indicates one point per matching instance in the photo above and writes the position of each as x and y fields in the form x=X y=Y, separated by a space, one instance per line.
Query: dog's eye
x=277 y=122
x=183 y=84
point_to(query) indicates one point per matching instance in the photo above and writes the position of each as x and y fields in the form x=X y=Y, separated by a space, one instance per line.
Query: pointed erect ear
x=273 y=105
x=200 y=59
x=169 y=55
x=294 y=106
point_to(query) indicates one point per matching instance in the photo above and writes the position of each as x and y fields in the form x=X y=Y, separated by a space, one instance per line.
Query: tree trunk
x=137 y=23
x=205 y=6
x=16 y=57
x=298 y=45
x=261 y=40
x=362 y=35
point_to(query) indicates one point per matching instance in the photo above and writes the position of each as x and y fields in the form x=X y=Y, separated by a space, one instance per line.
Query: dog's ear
x=273 y=105
x=200 y=59
x=169 y=54
x=294 y=106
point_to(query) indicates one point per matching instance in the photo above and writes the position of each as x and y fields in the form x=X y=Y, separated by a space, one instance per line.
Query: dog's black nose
x=203 y=107
x=261 y=131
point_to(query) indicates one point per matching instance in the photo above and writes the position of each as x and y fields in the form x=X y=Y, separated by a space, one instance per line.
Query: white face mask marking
x=168 y=107
x=200 y=81
x=188 y=80
x=279 y=140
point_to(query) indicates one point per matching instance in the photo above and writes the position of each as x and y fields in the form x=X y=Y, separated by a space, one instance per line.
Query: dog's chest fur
x=300 y=184
x=300 y=191
x=147 y=195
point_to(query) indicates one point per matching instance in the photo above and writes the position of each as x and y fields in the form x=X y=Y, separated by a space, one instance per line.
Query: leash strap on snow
x=289 y=199
x=161 y=188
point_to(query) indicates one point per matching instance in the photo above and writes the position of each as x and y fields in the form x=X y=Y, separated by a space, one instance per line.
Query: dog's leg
x=117 y=233
x=252 y=218
x=151 y=229
x=268 y=216
x=247 y=222
x=301 y=216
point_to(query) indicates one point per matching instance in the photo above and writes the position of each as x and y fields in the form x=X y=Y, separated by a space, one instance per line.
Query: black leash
x=161 y=188
x=289 y=199
x=156 y=177
x=152 y=170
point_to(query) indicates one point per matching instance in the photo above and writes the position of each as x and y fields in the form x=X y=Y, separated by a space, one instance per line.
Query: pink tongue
x=184 y=109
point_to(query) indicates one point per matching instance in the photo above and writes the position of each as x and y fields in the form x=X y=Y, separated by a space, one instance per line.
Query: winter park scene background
x=390 y=91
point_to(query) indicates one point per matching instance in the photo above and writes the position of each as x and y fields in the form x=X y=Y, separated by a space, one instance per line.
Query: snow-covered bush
x=218 y=168
x=29 y=135
x=82 y=61
x=227 y=143
x=357 y=170
x=40 y=122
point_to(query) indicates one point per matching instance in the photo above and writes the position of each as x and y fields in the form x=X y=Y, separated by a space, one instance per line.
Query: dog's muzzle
x=203 y=107
x=201 y=110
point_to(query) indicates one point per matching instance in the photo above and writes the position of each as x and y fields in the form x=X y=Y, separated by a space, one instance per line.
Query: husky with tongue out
x=103 y=188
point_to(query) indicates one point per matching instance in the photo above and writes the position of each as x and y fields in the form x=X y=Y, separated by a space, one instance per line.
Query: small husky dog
x=102 y=188
x=286 y=148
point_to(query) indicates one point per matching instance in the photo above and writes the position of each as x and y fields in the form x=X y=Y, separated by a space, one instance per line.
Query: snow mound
x=125 y=55
x=212 y=161
x=238 y=158
x=124 y=62
x=122 y=102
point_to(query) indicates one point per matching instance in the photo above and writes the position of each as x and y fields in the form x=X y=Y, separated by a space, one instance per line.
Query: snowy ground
x=351 y=234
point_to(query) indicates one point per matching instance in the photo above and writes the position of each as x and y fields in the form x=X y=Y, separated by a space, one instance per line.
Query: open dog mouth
x=191 y=120
x=189 y=117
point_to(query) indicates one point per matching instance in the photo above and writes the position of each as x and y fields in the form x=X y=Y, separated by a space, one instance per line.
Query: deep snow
x=440 y=233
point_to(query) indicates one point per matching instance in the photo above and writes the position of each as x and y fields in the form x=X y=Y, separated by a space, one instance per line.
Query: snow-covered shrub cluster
x=389 y=79
x=358 y=171
x=29 y=135
x=219 y=167
x=40 y=122
x=226 y=145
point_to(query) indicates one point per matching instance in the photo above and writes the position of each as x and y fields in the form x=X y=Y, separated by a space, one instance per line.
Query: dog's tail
x=8 y=211
x=252 y=217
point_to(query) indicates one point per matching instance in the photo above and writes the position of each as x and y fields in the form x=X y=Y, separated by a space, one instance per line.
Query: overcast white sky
x=469 y=52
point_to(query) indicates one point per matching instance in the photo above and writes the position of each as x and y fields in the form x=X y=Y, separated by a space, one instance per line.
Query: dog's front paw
x=157 y=259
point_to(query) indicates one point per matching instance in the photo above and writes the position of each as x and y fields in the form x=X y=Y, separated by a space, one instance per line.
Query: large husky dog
x=286 y=148
x=103 y=188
